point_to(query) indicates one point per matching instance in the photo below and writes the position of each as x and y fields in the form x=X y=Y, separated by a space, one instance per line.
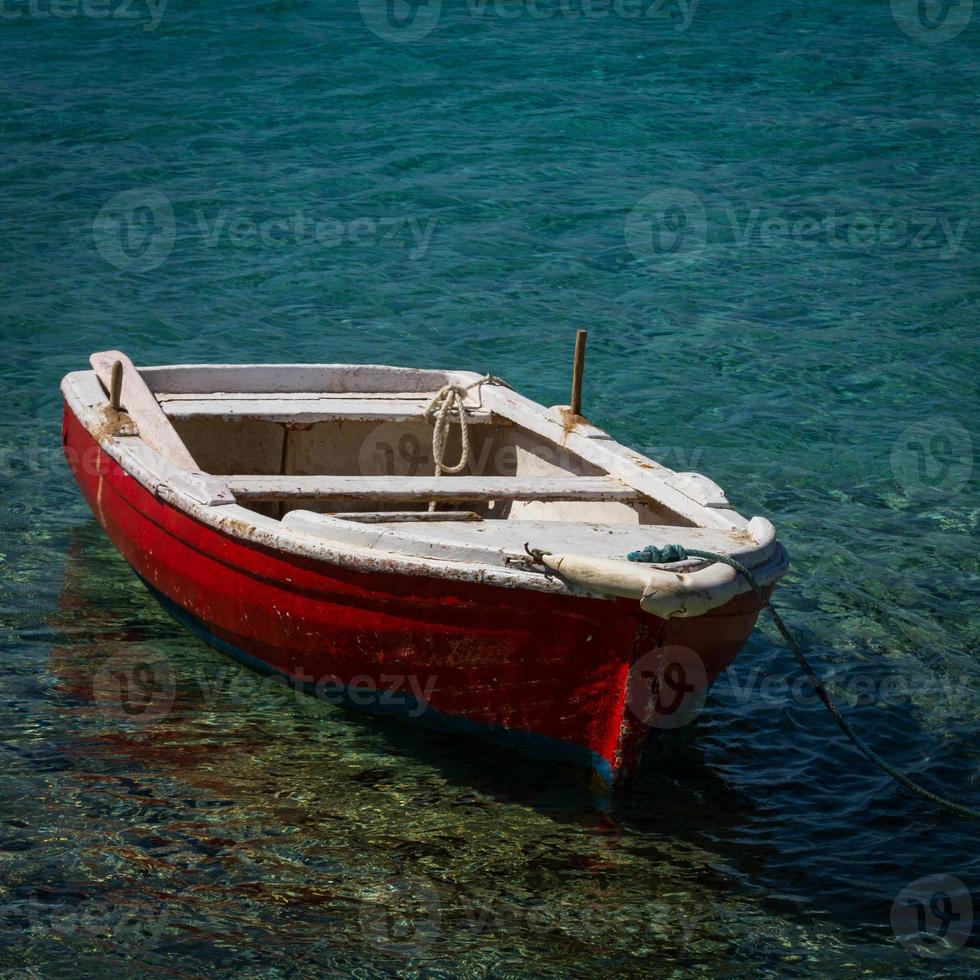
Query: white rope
x=441 y=407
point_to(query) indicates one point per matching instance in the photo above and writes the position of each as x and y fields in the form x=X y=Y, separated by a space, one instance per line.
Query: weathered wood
x=692 y=498
x=279 y=378
x=406 y=516
x=652 y=479
x=578 y=370
x=201 y=487
x=142 y=407
x=308 y=407
x=455 y=488
x=115 y=386
x=502 y=539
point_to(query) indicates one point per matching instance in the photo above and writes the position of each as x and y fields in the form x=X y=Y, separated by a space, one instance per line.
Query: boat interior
x=357 y=442
x=350 y=454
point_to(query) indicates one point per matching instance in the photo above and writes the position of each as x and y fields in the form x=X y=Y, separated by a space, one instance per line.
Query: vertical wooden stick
x=578 y=369
x=284 y=464
x=115 y=386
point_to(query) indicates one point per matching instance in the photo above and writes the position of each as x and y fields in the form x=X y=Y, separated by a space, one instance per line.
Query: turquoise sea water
x=766 y=214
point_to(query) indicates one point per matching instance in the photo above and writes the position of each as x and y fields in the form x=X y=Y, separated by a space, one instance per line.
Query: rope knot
x=666 y=555
x=440 y=408
x=446 y=399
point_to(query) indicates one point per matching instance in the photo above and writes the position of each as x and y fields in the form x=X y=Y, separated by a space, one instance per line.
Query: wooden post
x=578 y=369
x=115 y=386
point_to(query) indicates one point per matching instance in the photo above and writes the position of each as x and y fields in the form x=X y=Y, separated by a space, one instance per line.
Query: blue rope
x=674 y=552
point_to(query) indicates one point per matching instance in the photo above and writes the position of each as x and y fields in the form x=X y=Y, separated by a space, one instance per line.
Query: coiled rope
x=674 y=553
x=447 y=398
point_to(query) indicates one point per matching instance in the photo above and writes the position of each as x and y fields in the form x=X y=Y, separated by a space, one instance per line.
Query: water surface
x=766 y=216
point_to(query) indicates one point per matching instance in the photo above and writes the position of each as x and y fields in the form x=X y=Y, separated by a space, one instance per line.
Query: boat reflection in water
x=204 y=812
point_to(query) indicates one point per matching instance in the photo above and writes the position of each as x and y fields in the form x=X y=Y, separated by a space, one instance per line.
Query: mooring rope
x=674 y=553
x=447 y=398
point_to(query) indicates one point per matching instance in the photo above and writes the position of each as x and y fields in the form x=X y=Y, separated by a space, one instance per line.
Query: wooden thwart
x=407 y=516
x=308 y=407
x=448 y=488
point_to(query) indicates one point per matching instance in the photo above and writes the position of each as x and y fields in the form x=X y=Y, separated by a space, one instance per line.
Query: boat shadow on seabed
x=141 y=682
x=166 y=725
x=171 y=733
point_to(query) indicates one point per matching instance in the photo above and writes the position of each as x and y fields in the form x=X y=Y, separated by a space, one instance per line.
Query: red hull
x=549 y=673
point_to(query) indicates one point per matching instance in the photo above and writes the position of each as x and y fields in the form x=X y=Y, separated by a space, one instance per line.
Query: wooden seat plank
x=308 y=407
x=448 y=488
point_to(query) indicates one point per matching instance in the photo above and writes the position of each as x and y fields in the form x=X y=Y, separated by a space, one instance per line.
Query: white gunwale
x=381 y=547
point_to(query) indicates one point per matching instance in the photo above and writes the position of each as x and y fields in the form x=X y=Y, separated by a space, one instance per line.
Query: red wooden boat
x=303 y=519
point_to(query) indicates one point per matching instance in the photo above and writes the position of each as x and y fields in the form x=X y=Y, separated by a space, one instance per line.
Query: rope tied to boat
x=674 y=553
x=448 y=398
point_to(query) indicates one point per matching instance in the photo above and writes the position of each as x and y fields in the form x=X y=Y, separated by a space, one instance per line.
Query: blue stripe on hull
x=404 y=706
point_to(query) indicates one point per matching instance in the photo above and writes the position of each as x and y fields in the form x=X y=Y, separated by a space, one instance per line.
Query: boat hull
x=561 y=677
